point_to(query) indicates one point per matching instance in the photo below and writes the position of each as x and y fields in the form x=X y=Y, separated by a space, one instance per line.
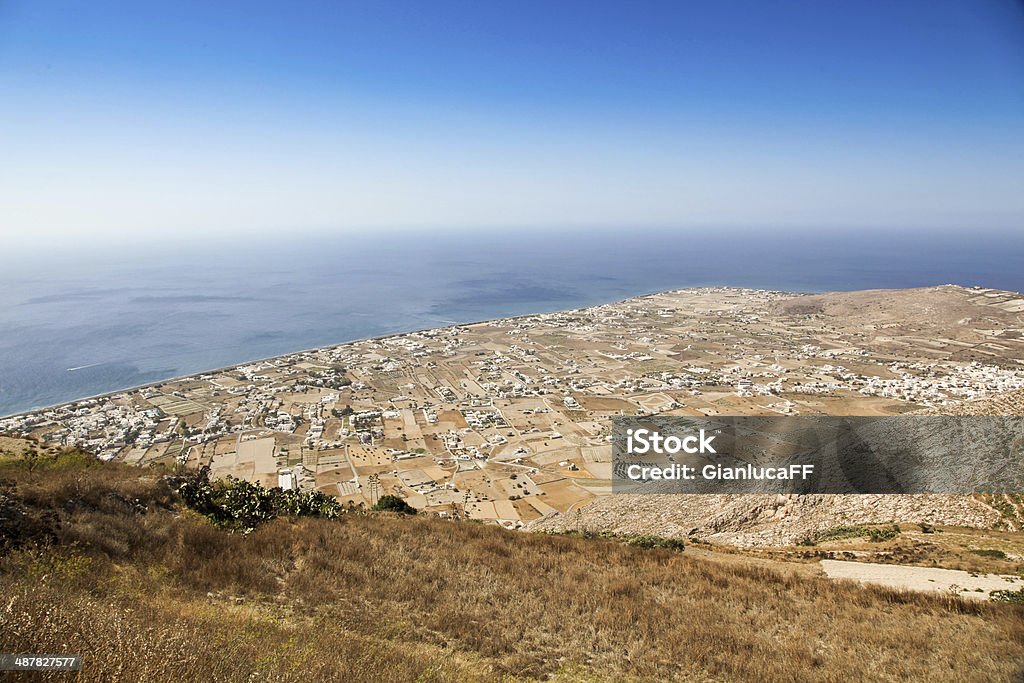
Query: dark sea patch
x=64 y=297
x=187 y=299
x=484 y=293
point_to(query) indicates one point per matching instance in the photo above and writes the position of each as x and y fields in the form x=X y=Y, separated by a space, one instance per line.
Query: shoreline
x=389 y=335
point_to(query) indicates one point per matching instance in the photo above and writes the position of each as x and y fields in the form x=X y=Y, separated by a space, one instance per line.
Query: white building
x=287 y=480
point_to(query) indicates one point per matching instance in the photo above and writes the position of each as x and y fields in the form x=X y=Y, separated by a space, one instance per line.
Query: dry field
x=104 y=562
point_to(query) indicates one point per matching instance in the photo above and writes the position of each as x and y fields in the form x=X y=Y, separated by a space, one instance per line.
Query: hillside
x=102 y=559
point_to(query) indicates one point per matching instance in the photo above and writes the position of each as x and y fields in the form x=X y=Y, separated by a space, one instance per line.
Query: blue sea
x=80 y=320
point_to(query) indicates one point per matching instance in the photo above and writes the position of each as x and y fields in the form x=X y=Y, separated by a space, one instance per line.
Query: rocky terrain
x=762 y=520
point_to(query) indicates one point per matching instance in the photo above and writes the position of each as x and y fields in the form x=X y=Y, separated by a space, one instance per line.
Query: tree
x=30 y=456
x=394 y=504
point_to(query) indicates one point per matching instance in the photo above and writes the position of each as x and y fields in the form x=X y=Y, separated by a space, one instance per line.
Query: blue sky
x=189 y=119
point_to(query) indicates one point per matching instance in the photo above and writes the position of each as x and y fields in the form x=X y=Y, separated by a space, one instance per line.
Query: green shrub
x=648 y=541
x=238 y=504
x=990 y=552
x=393 y=504
x=873 y=534
x=1016 y=597
x=635 y=540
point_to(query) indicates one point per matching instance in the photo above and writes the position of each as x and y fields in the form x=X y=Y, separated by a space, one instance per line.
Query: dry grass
x=147 y=592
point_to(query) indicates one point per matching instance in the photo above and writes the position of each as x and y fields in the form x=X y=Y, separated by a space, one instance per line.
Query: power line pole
x=374 y=481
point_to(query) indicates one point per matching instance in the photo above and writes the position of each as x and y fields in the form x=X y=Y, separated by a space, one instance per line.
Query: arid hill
x=761 y=520
x=105 y=562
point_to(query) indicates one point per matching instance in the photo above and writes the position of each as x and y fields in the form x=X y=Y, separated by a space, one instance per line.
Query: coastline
x=389 y=335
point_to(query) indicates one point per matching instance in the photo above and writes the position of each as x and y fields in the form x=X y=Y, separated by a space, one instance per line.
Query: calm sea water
x=77 y=323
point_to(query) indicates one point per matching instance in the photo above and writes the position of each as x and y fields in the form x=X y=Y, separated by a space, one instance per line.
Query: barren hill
x=115 y=568
x=759 y=520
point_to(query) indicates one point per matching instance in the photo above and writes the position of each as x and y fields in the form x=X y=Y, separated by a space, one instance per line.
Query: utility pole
x=374 y=481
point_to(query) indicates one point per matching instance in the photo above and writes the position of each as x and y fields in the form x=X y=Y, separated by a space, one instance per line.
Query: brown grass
x=147 y=592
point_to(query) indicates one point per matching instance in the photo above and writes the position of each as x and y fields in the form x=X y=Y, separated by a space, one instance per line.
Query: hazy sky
x=199 y=119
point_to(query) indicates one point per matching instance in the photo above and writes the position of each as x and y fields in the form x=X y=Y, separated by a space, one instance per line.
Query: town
x=508 y=421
